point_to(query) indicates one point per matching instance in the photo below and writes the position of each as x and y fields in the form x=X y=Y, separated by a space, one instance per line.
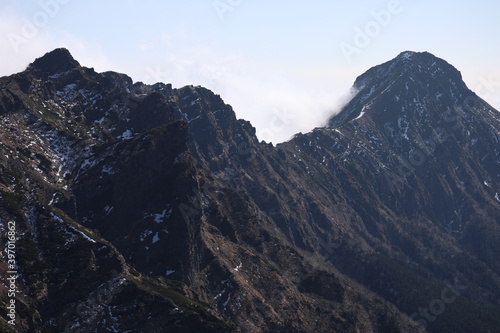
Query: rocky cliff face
x=146 y=208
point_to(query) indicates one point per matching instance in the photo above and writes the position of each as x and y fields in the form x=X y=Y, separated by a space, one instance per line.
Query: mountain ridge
x=357 y=226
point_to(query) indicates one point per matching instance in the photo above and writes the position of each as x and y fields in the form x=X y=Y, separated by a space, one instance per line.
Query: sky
x=286 y=66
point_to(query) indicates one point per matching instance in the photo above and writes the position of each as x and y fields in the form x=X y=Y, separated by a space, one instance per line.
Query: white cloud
x=282 y=101
x=279 y=103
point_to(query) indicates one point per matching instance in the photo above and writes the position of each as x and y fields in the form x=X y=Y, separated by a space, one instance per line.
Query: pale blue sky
x=285 y=65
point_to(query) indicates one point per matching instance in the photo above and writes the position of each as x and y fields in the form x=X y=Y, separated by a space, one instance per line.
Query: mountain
x=146 y=208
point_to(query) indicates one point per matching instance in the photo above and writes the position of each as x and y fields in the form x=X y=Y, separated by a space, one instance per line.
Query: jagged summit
x=57 y=61
x=418 y=77
x=409 y=64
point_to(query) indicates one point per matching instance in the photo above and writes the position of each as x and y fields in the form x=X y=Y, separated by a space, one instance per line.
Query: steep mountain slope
x=164 y=200
x=417 y=155
x=70 y=279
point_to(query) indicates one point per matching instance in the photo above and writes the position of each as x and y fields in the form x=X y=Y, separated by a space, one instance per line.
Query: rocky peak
x=412 y=77
x=54 y=62
x=409 y=65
